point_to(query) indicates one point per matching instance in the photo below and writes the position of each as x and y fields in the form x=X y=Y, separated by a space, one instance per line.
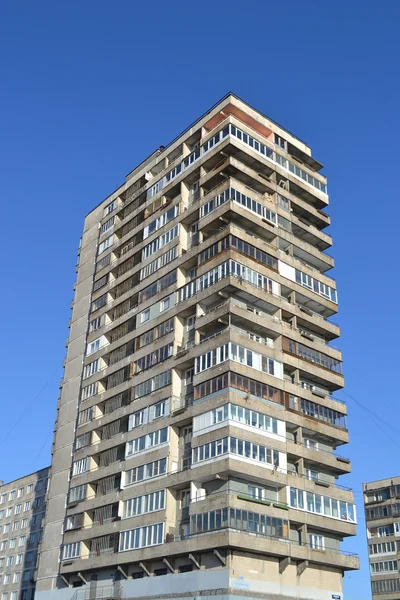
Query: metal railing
x=99 y=592
x=262 y=536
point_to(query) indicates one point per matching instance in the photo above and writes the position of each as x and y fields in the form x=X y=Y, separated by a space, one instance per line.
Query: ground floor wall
x=247 y=577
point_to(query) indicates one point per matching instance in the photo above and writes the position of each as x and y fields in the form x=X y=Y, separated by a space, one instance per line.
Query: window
x=80 y=466
x=3 y=498
x=99 y=302
x=13 y=543
x=9 y=511
x=10 y=561
x=384 y=548
x=17 y=577
x=156 y=333
x=145 y=315
x=312 y=444
x=311 y=355
x=256 y=492
x=235 y=446
x=85 y=416
x=106 y=244
x=147 y=471
x=155 y=357
x=37 y=502
x=94 y=346
x=165 y=304
x=231 y=351
x=239 y=414
x=242 y=520
x=315 y=503
x=6 y=527
x=3 y=545
x=77 y=493
x=71 y=551
x=106 y=226
x=19 y=559
x=18 y=508
x=29 y=488
x=159 y=262
x=11 y=495
x=316 y=286
x=91 y=368
x=82 y=441
x=28 y=557
x=22 y=540
x=160 y=242
x=96 y=324
x=2 y=564
x=27 y=505
x=316 y=542
x=185 y=498
x=141 y=537
x=136 y=419
x=159 y=410
x=381 y=586
x=26 y=576
x=161 y=221
x=20 y=492
x=90 y=390
x=312 y=475
x=25 y=523
x=7 y=579
x=153 y=384
x=14 y=595
x=145 y=504
x=15 y=525
x=1 y=514
x=109 y=208
x=147 y=441
x=386 y=566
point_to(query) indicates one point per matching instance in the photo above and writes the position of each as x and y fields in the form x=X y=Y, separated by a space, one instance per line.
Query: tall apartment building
x=196 y=429
x=22 y=509
x=382 y=516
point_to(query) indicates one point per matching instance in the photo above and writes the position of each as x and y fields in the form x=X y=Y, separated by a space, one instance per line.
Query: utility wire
x=41 y=450
x=373 y=417
x=29 y=406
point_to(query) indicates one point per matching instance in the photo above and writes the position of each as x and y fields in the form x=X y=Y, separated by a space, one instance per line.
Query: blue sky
x=88 y=89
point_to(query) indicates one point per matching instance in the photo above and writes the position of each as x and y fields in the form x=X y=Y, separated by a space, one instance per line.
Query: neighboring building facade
x=382 y=516
x=22 y=509
x=196 y=426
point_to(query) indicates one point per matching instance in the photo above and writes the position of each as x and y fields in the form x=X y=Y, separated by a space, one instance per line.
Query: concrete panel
x=65 y=433
x=73 y=368
x=61 y=459
x=68 y=410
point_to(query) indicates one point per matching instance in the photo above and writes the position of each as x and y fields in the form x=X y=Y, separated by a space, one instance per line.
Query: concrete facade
x=22 y=510
x=382 y=516
x=196 y=433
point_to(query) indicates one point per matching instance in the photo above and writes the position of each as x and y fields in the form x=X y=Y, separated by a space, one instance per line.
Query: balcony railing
x=172 y=538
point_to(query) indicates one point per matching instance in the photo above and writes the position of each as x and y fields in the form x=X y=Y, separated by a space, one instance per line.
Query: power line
x=373 y=417
x=41 y=450
x=28 y=407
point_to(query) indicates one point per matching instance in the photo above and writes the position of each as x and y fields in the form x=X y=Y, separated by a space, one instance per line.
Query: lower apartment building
x=22 y=510
x=195 y=448
x=382 y=516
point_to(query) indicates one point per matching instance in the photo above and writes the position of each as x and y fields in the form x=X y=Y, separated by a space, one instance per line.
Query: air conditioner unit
x=317 y=392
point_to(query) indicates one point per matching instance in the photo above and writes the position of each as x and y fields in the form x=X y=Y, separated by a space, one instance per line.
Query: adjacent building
x=22 y=509
x=195 y=446
x=382 y=516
